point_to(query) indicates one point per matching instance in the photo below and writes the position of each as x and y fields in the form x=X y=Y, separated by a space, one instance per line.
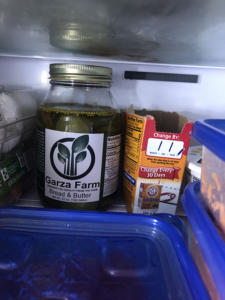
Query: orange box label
x=154 y=161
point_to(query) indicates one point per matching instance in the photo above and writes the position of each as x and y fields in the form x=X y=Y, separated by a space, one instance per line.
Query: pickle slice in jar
x=108 y=124
x=72 y=123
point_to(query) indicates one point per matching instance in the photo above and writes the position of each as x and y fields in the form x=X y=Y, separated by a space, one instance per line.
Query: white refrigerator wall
x=204 y=99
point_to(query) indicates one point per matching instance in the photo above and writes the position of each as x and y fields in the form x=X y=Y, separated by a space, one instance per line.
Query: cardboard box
x=156 y=146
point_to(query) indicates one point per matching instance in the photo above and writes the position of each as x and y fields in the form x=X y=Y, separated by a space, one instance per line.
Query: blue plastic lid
x=54 y=254
x=210 y=242
x=211 y=133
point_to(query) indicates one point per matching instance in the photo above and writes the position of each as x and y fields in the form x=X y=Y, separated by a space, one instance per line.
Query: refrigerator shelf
x=175 y=32
x=31 y=199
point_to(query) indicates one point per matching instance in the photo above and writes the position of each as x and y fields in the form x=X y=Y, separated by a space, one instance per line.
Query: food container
x=207 y=245
x=16 y=158
x=56 y=254
x=17 y=124
x=211 y=133
x=79 y=137
x=155 y=152
x=193 y=165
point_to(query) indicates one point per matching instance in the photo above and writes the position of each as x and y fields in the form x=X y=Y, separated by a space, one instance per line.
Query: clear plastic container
x=16 y=145
x=16 y=158
x=55 y=254
x=211 y=133
x=193 y=164
x=207 y=245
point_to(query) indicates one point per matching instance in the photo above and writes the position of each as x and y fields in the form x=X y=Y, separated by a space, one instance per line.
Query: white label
x=112 y=165
x=4 y=173
x=73 y=163
x=165 y=148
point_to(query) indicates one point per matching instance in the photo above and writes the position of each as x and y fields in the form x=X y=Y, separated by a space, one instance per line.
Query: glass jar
x=79 y=137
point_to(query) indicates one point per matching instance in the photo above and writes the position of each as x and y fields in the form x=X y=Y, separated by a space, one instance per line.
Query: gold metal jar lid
x=78 y=31
x=80 y=73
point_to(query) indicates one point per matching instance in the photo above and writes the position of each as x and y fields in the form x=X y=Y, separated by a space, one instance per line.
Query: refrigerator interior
x=161 y=41
x=160 y=31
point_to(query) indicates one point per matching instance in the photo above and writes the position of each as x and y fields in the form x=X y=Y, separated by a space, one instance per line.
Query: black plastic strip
x=155 y=76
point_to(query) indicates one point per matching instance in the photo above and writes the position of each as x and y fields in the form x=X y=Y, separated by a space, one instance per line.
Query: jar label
x=73 y=166
x=12 y=170
x=112 y=162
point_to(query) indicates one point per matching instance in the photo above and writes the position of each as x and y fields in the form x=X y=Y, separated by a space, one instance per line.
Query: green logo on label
x=66 y=154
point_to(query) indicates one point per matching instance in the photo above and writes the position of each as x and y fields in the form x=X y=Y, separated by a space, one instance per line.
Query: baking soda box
x=156 y=147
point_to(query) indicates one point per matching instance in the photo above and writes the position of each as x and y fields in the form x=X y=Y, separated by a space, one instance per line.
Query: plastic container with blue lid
x=193 y=164
x=211 y=133
x=53 y=254
x=207 y=245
